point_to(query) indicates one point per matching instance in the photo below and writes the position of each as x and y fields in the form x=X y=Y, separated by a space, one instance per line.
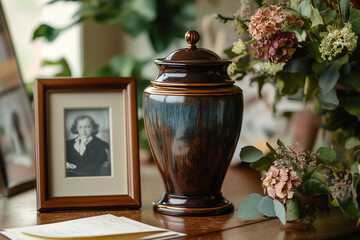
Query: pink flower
x=278 y=49
x=265 y=23
x=279 y=183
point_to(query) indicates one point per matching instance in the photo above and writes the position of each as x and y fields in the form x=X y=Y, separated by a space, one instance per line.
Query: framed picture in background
x=87 y=143
x=17 y=152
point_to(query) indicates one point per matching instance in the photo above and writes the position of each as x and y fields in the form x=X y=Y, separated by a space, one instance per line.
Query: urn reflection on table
x=192 y=115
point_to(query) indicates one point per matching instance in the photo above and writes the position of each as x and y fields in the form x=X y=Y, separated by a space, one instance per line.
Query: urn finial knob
x=192 y=37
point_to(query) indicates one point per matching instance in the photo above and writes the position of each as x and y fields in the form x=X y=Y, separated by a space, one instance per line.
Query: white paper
x=99 y=226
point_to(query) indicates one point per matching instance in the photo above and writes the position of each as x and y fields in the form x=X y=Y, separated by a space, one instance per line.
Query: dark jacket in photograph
x=89 y=164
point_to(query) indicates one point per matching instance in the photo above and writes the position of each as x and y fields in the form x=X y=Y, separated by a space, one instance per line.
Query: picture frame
x=17 y=149
x=95 y=114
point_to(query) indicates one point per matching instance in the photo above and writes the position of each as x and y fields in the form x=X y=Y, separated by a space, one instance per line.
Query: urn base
x=181 y=205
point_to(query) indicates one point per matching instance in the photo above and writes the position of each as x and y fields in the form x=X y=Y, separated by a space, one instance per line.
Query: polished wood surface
x=20 y=210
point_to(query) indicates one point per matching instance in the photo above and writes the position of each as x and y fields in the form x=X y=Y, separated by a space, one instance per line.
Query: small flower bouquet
x=308 y=47
x=292 y=174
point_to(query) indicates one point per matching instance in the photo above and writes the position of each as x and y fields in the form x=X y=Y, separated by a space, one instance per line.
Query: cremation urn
x=193 y=114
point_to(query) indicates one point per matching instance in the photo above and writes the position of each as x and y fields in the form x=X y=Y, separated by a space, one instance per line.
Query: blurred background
x=123 y=38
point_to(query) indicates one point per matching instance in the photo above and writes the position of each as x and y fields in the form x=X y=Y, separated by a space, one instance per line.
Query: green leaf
x=289 y=83
x=329 y=17
x=299 y=63
x=335 y=203
x=352 y=142
x=134 y=25
x=263 y=163
x=312 y=48
x=61 y=63
x=358 y=222
x=318 y=176
x=316 y=18
x=354 y=19
x=349 y=207
x=311 y=88
x=352 y=106
x=305 y=8
x=250 y=154
x=344 y=10
x=328 y=79
x=292 y=210
x=329 y=100
x=315 y=188
x=327 y=156
x=266 y=207
x=249 y=206
x=280 y=143
x=144 y=8
x=280 y=211
x=339 y=62
x=46 y=31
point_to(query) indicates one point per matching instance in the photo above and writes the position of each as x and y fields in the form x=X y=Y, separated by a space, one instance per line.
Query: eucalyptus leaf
x=349 y=206
x=292 y=210
x=318 y=176
x=352 y=106
x=266 y=207
x=305 y=8
x=315 y=188
x=280 y=211
x=263 y=163
x=352 y=142
x=327 y=156
x=328 y=79
x=316 y=18
x=250 y=154
x=339 y=62
x=354 y=19
x=312 y=48
x=329 y=100
x=329 y=17
x=249 y=206
x=289 y=83
x=344 y=10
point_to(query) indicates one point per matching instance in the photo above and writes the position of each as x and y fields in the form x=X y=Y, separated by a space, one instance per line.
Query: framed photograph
x=86 y=143
x=17 y=150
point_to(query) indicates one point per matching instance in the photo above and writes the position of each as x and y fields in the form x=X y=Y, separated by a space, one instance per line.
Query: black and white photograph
x=87 y=142
x=17 y=136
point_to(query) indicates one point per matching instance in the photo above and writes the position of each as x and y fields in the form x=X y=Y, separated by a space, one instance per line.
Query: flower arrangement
x=310 y=47
x=293 y=173
x=306 y=46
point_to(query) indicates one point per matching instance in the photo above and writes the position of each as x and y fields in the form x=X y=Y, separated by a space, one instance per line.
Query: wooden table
x=20 y=210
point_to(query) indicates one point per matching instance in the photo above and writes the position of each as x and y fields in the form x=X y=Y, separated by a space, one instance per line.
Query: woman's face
x=84 y=127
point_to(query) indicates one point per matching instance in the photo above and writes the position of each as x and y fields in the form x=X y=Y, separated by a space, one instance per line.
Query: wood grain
x=20 y=210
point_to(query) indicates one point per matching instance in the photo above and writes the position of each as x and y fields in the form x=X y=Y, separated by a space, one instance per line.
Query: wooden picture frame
x=63 y=102
x=17 y=147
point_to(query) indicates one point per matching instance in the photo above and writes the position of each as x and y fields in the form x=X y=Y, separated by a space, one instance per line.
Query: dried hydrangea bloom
x=265 y=23
x=335 y=40
x=277 y=49
x=279 y=183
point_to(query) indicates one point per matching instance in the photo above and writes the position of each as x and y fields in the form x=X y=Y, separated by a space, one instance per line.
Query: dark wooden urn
x=193 y=114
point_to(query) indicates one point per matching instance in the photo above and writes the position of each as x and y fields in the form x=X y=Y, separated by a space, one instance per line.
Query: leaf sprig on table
x=293 y=177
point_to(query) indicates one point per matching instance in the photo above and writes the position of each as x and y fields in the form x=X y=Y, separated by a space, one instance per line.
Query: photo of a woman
x=86 y=154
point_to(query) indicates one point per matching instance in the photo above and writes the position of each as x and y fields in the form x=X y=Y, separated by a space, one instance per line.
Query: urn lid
x=192 y=66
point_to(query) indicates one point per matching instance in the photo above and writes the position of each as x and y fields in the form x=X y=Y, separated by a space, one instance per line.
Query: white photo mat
x=117 y=183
